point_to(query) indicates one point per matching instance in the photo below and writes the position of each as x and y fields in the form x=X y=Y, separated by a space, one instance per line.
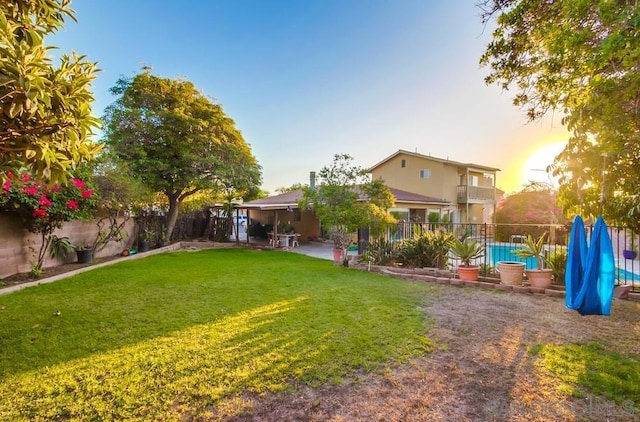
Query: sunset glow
x=534 y=169
x=525 y=167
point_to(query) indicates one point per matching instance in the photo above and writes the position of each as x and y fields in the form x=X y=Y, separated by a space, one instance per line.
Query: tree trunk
x=172 y=215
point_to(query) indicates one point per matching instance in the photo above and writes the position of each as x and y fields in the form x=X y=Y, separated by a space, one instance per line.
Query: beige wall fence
x=19 y=248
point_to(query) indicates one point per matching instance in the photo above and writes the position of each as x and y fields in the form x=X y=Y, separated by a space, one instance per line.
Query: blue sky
x=307 y=79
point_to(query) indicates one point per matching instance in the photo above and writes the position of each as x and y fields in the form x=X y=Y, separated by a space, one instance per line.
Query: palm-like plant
x=557 y=261
x=533 y=248
x=467 y=251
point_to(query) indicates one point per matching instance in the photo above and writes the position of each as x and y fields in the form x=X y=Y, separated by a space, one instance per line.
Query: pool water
x=625 y=275
x=499 y=253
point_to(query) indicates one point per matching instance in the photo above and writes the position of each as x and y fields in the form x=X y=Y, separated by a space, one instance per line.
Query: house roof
x=281 y=201
x=441 y=160
x=410 y=197
x=290 y=200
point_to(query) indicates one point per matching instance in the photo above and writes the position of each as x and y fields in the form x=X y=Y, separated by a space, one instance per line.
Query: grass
x=592 y=367
x=175 y=335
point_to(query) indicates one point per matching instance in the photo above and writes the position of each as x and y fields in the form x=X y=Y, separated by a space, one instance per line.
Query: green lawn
x=595 y=368
x=174 y=334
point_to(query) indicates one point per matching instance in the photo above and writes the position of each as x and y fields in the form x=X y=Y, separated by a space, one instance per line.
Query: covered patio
x=281 y=212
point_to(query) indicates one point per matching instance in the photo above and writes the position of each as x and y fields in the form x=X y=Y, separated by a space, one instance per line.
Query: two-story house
x=470 y=189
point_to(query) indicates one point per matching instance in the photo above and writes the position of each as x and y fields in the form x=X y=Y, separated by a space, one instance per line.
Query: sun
x=535 y=167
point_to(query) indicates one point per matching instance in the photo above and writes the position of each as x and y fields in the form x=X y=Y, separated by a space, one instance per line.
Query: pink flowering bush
x=43 y=208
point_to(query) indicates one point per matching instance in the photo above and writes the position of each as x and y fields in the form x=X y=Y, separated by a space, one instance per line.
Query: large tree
x=177 y=141
x=45 y=110
x=581 y=58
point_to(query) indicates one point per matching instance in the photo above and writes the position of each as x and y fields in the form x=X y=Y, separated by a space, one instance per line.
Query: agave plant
x=467 y=251
x=532 y=248
x=427 y=250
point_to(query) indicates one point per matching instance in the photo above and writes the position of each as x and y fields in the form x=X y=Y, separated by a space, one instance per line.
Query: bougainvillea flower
x=6 y=185
x=10 y=175
x=78 y=183
x=30 y=190
x=72 y=204
x=44 y=201
x=87 y=193
x=25 y=177
x=55 y=188
x=39 y=213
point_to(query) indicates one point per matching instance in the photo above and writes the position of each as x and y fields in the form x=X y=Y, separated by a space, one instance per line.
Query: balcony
x=476 y=195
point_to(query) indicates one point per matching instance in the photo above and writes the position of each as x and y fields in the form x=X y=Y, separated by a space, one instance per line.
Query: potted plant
x=467 y=251
x=143 y=245
x=511 y=272
x=532 y=248
x=340 y=243
x=84 y=254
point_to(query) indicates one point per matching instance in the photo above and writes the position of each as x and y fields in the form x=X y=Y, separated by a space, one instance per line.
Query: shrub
x=431 y=249
x=557 y=261
x=43 y=208
x=381 y=252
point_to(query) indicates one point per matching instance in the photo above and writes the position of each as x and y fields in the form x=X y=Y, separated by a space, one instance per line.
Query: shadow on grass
x=173 y=334
x=193 y=367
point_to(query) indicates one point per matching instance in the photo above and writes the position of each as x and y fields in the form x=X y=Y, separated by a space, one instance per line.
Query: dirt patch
x=482 y=370
x=21 y=278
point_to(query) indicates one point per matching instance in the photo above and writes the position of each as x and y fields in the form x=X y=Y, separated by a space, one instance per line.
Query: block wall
x=19 y=248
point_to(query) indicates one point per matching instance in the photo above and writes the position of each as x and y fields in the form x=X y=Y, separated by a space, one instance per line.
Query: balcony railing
x=475 y=194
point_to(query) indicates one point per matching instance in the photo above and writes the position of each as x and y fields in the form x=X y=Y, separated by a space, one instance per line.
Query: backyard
x=239 y=334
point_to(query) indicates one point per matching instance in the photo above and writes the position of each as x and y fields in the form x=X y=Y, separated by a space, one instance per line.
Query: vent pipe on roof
x=312 y=180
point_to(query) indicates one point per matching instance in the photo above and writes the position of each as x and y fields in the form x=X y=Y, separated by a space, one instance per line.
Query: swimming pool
x=498 y=252
x=625 y=275
x=504 y=252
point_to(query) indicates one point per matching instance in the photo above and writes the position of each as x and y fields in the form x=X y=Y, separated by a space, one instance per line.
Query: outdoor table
x=285 y=239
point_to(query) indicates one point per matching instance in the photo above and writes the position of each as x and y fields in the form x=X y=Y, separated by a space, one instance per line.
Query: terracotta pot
x=511 y=273
x=337 y=255
x=469 y=273
x=539 y=278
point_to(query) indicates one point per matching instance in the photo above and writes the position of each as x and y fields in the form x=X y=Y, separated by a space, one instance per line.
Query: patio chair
x=296 y=241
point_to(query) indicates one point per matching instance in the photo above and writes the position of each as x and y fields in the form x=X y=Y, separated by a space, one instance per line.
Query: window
x=425 y=173
x=403 y=163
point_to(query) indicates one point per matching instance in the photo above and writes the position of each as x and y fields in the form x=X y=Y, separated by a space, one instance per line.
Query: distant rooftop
x=442 y=160
x=290 y=199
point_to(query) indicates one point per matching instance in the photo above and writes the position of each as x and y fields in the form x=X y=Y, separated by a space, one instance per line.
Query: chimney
x=312 y=180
